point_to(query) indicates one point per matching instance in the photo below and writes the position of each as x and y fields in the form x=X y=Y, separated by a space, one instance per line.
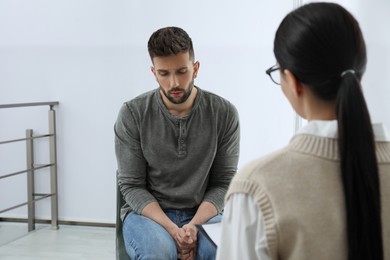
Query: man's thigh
x=146 y=239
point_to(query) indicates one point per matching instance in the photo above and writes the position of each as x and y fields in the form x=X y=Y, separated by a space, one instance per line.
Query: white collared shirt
x=242 y=222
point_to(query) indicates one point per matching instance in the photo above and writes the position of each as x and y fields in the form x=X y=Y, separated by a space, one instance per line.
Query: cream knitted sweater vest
x=299 y=192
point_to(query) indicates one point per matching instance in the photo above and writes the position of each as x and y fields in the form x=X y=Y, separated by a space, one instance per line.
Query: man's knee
x=145 y=239
x=157 y=249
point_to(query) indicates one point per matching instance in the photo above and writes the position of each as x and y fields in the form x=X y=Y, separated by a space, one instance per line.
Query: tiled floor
x=66 y=243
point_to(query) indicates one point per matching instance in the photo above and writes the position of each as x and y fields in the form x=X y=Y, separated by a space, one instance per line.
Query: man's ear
x=196 y=68
x=295 y=86
x=153 y=70
x=154 y=73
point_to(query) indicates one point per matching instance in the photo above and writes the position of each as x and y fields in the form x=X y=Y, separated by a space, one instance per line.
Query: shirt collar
x=328 y=129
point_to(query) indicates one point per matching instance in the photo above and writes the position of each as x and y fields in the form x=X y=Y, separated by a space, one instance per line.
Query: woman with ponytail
x=327 y=194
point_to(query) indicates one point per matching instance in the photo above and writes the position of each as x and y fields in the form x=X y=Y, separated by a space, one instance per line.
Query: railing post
x=32 y=197
x=30 y=180
x=53 y=168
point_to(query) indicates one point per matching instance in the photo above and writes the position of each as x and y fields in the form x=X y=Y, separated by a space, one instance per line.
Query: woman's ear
x=294 y=85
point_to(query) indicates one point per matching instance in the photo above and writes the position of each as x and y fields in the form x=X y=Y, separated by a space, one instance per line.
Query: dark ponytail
x=317 y=43
x=359 y=172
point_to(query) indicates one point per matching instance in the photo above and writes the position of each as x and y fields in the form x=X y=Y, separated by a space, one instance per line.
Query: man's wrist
x=172 y=229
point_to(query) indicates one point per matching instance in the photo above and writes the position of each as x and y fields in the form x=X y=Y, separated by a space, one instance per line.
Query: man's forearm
x=155 y=213
x=206 y=211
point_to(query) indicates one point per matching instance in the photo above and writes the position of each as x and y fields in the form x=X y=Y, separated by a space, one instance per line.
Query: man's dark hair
x=170 y=41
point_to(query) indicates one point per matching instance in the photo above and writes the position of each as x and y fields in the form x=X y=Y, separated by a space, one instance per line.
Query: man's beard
x=183 y=98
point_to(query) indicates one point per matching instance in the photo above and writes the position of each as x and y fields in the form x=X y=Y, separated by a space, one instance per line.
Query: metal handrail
x=51 y=104
x=24 y=171
x=43 y=196
x=24 y=139
x=33 y=197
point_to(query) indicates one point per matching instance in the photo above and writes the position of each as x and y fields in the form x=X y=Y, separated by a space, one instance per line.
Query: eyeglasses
x=275 y=77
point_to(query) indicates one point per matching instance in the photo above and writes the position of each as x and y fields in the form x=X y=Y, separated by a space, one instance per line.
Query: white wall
x=373 y=17
x=91 y=56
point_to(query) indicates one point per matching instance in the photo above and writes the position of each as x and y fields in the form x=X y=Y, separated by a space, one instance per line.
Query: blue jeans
x=146 y=239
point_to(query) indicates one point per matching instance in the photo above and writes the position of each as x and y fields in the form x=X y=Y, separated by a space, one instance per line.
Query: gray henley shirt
x=176 y=161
